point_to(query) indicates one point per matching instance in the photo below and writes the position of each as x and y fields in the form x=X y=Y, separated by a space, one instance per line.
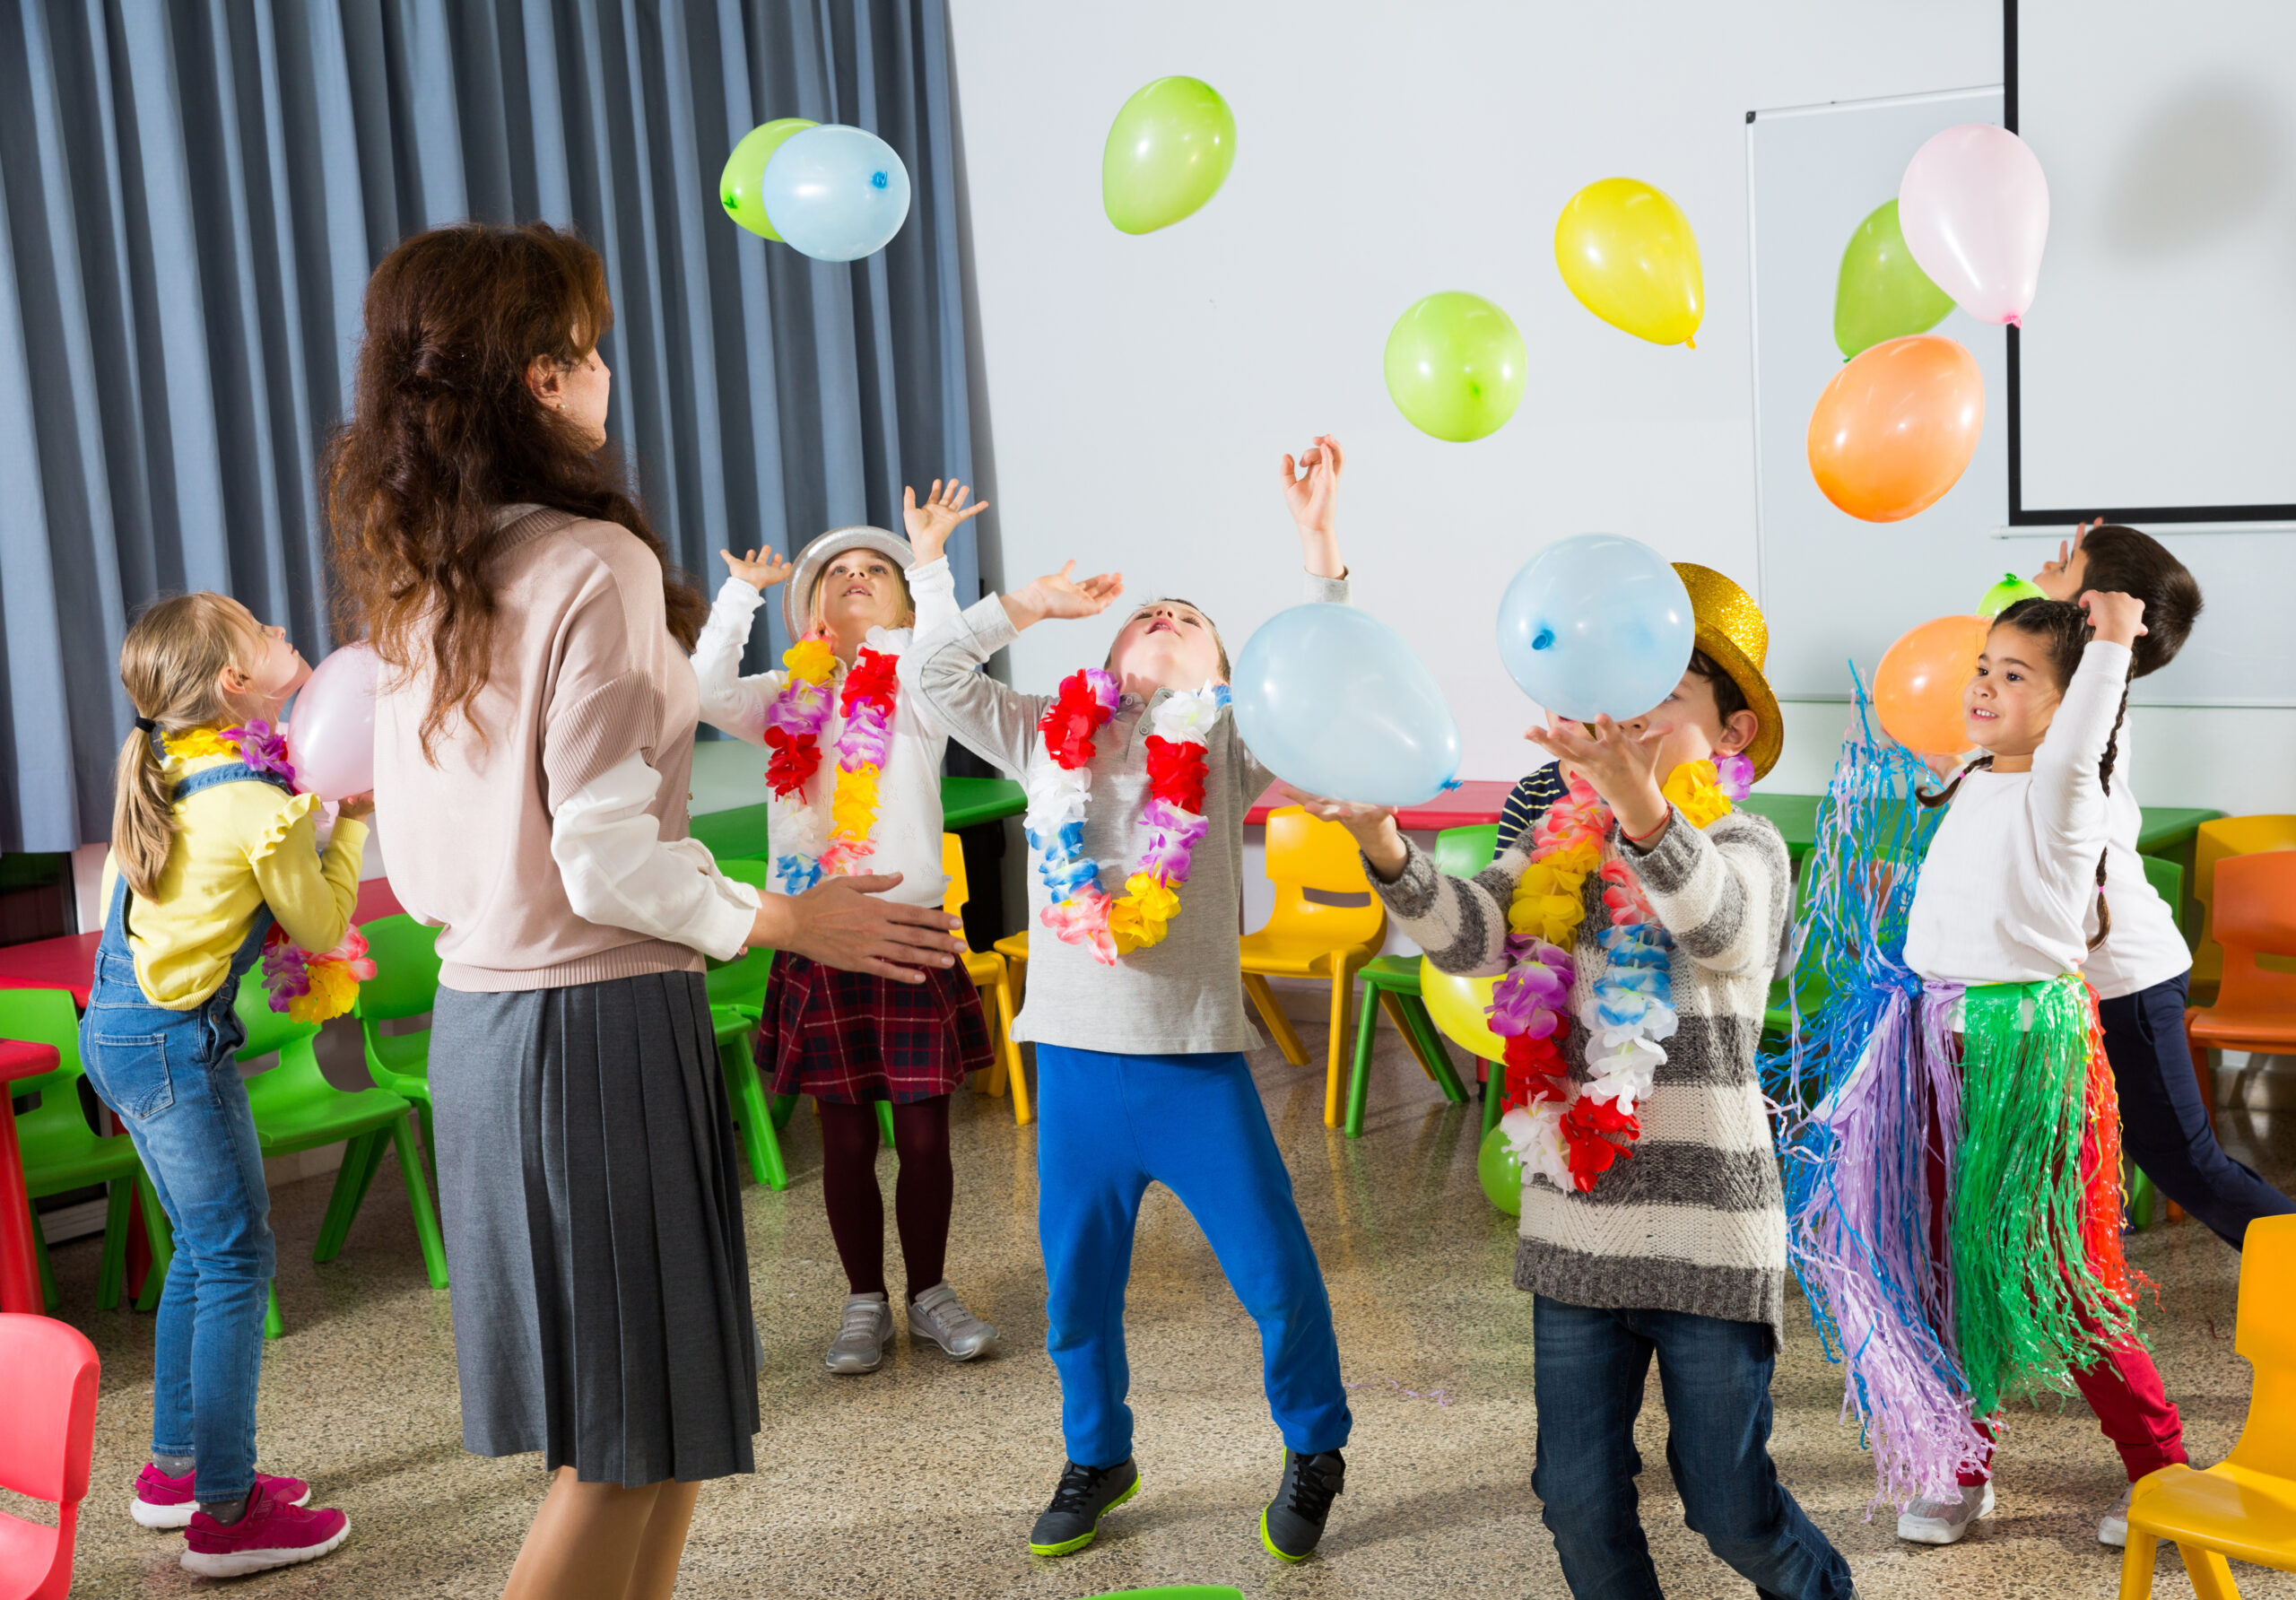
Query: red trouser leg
x=2124 y=1389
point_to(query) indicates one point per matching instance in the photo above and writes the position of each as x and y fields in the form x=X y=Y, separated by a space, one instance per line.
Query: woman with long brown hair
x=533 y=737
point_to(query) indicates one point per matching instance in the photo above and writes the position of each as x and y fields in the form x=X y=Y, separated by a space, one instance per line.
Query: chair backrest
x=406 y=983
x=2256 y=915
x=268 y=1031
x=2218 y=839
x=48 y=1407
x=2167 y=881
x=952 y=867
x=755 y=871
x=2265 y=1332
x=1462 y=852
x=43 y=1017
x=1306 y=853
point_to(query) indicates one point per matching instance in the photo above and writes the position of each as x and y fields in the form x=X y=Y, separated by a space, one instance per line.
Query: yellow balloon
x=1459 y=1007
x=1627 y=252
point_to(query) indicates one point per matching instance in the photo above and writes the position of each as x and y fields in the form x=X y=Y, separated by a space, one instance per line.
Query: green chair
x=2168 y=880
x=1392 y=981
x=736 y=1003
x=406 y=984
x=296 y=1109
x=62 y=1152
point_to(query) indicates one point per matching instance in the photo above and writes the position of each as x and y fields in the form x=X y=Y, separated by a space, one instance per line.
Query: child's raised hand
x=761 y=568
x=1063 y=593
x=357 y=807
x=1621 y=765
x=1312 y=484
x=1373 y=826
x=2118 y=619
x=930 y=524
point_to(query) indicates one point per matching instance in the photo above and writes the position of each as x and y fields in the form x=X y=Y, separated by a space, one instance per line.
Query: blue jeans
x=1112 y=1124
x=2163 y=1122
x=171 y=1077
x=1590 y=1367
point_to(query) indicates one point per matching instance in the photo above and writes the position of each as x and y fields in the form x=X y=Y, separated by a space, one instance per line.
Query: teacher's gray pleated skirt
x=594 y=1230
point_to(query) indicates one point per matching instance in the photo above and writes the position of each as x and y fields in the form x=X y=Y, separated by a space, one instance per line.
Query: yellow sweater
x=237 y=848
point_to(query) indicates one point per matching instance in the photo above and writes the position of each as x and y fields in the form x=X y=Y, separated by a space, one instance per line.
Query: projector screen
x=2150 y=383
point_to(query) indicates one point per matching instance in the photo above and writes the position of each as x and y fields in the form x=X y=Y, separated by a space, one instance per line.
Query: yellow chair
x=2226 y=836
x=2245 y=1506
x=1306 y=939
x=989 y=970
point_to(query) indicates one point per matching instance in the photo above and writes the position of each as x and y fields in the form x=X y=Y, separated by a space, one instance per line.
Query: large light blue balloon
x=1334 y=702
x=835 y=193
x=1596 y=625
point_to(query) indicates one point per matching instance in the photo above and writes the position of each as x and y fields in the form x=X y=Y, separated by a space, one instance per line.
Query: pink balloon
x=1974 y=208
x=331 y=737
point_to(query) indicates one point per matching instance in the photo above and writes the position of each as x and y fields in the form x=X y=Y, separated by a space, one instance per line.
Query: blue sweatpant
x=1110 y=1125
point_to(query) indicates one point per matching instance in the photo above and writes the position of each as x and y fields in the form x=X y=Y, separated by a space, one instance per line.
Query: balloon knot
x=2015 y=320
x=1689 y=344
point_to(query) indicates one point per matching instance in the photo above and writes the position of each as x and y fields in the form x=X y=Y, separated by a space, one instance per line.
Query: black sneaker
x=1291 y=1523
x=1084 y=1495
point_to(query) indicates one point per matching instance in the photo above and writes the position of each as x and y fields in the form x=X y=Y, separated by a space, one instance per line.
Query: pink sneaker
x=271 y=1534
x=162 y=1501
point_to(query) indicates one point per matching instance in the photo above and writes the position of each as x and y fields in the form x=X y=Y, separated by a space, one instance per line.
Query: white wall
x=1138 y=391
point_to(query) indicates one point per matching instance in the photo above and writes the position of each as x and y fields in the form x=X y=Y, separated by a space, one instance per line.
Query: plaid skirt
x=852 y=1037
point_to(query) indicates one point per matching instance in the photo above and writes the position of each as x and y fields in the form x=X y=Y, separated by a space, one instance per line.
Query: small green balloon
x=1500 y=1172
x=1169 y=151
x=1455 y=366
x=737 y=185
x=2005 y=594
x=1882 y=293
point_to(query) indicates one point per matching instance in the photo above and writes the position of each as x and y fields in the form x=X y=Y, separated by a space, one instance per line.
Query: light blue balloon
x=835 y=193
x=1596 y=625
x=1332 y=700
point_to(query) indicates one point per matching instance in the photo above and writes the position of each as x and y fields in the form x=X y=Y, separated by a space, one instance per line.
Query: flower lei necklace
x=308 y=987
x=1572 y=1138
x=1081 y=911
x=793 y=733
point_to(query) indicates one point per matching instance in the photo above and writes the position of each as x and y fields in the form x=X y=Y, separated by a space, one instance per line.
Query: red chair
x=2255 y=915
x=47 y=1431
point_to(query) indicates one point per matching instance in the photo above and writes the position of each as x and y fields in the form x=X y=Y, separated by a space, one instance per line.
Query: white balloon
x=1974 y=208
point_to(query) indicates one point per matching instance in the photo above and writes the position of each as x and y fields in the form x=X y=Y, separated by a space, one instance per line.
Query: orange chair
x=1308 y=939
x=2226 y=836
x=989 y=971
x=47 y=1431
x=2254 y=914
x=2245 y=1506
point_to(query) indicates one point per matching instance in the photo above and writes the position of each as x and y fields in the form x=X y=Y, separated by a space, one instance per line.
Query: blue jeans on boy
x=1590 y=1367
x=2164 y=1122
x=171 y=1077
x=1110 y=1125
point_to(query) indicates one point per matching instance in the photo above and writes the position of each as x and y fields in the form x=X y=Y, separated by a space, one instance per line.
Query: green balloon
x=1500 y=1172
x=2005 y=594
x=1882 y=294
x=737 y=185
x=1169 y=151
x=1455 y=366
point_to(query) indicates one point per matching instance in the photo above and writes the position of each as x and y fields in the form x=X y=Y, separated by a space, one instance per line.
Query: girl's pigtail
x=1983 y=763
x=2105 y=780
x=143 y=815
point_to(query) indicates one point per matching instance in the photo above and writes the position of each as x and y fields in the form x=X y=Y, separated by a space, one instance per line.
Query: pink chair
x=47 y=1431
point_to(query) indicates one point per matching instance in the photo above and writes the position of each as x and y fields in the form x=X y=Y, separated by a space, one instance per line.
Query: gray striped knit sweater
x=1695 y=1219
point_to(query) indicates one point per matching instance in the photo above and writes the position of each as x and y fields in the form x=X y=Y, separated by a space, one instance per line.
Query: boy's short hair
x=1217 y=643
x=1729 y=699
x=2123 y=561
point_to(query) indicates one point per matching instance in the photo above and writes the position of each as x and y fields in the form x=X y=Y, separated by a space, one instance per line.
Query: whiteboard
x=1835 y=589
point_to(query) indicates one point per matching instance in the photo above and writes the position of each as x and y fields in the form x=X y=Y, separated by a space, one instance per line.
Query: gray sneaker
x=861 y=1340
x=938 y=1316
x=1943 y=1522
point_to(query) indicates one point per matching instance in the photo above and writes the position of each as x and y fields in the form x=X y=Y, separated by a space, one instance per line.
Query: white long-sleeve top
x=2008 y=890
x=620 y=872
x=908 y=832
x=2144 y=946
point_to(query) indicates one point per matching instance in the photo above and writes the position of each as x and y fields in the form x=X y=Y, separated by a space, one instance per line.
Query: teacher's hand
x=841 y=922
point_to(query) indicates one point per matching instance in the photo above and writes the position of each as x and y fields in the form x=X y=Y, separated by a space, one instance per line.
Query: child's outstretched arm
x=2068 y=793
x=729 y=699
x=1461 y=923
x=1311 y=492
x=312 y=895
x=995 y=723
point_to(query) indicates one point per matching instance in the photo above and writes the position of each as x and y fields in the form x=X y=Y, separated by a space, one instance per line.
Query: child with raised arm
x=854 y=775
x=1138 y=785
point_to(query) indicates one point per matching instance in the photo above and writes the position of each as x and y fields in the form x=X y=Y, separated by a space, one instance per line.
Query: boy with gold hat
x=1653 y=1222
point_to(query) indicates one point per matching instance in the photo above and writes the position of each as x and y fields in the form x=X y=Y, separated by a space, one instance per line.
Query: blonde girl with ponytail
x=212 y=847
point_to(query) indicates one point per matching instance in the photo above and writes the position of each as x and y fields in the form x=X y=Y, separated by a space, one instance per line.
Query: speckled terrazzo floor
x=922 y=1479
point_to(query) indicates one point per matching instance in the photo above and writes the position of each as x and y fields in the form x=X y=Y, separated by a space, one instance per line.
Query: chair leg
x=162 y=1239
x=2212 y=1578
x=1287 y=1039
x=112 y=1277
x=783 y=1106
x=886 y=1122
x=2142 y=1199
x=274 y=1325
x=992 y=1004
x=1013 y=1071
x=1359 y=1082
x=1431 y=1051
x=418 y=1201
x=343 y=1204
x=374 y=1164
x=49 y=1300
x=1392 y=1003
x=2136 y=1565
x=1342 y=985
x=1494 y=1099
x=757 y=1120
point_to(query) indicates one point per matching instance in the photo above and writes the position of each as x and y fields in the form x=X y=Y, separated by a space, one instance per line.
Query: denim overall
x=172 y=1078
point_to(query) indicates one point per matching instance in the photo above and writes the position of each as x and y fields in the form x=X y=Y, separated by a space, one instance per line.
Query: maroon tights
x=922 y=1195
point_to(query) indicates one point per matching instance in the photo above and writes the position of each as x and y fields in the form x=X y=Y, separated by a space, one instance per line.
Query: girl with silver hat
x=854 y=774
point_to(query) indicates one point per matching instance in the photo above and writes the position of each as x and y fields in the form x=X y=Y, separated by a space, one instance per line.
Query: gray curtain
x=192 y=193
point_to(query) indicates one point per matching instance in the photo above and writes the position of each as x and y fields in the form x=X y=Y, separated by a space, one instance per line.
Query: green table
x=1796 y=816
x=740 y=832
x=2167 y=831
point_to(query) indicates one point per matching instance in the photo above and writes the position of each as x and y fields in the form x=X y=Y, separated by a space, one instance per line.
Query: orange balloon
x=1897 y=426
x=1917 y=688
